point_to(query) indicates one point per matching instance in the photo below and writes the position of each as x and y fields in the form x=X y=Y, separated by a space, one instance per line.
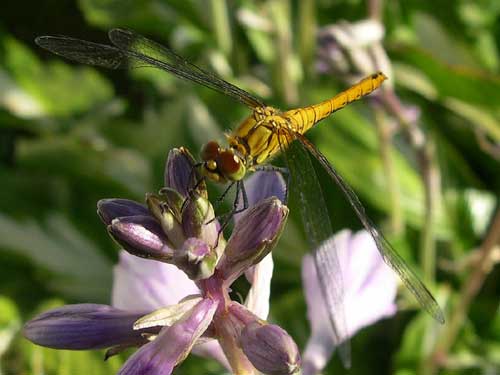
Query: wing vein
x=389 y=255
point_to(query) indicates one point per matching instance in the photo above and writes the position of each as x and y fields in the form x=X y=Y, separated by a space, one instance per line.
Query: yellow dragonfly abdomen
x=303 y=119
x=267 y=130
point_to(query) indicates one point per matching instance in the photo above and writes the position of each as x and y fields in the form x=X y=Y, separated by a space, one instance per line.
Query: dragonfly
x=266 y=132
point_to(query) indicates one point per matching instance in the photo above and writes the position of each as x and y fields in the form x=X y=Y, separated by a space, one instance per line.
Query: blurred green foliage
x=71 y=135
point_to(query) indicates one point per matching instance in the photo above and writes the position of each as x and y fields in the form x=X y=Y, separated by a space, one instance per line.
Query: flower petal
x=109 y=209
x=253 y=237
x=167 y=316
x=196 y=259
x=270 y=349
x=259 y=276
x=356 y=255
x=263 y=185
x=84 y=326
x=229 y=324
x=368 y=297
x=321 y=343
x=180 y=174
x=141 y=236
x=145 y=284
x=173 y=344
x=377 y=289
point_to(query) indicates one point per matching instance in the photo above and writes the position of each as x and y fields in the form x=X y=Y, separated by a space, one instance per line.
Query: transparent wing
x=86 y=52
x=390 y=256
x=132 y=50
x=317 y=225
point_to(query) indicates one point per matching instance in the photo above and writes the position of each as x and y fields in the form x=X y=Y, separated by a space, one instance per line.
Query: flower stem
x=307 y=32
x=385 y=133
x=235 y=356
x=221 y=26
x=281 y=13
x=375 y=8
x=431 y=179
x=469 y=290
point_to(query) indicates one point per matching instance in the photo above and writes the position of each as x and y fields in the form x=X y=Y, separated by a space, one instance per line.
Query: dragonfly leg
x=191 y=192
x=245 y=198
x=284 y=172
x=227 y=216
x=220 y=199
x=240 y=188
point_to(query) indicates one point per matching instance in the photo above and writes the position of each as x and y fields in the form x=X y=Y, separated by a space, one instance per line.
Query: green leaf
x=471 y=86
x=53 y=86
x=412 y=348
x=77 y=266
x=10 y=323
x=435 y=39
x=478 y=116
x=85 y=157
x=151 y=15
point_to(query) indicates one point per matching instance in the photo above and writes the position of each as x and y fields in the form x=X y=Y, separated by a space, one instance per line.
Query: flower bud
x=181 y=174
x=83 y=326
x=198 y=220
x=141 y=236
x=166 y=214
x=174 y=200
x=270 y=349
x=253 y=237
x=196 y=259
x=109 y=209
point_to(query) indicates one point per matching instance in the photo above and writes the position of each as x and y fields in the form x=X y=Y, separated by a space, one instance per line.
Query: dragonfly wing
x=318 y=227
x=390 y=256
x=166 y=59
x=84 y=52
x=132 y=50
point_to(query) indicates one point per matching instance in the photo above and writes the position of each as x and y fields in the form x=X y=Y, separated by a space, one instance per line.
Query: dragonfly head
x=221 y=164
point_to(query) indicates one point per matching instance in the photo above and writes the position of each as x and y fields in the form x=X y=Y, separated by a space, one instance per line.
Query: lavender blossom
x=370 y=291
x=85 y=326
x=353 y=50
x=264 y=343
x=170 y=307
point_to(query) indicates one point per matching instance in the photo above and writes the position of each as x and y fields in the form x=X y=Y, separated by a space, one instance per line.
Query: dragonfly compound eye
x=231 y=166
x=210 y=151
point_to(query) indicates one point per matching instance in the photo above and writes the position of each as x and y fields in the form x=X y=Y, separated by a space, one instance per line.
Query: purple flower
x=174 y=228
x=370 y=291
x=104 y=326
x=181 y=302
x=264 y=343
x=353 y=50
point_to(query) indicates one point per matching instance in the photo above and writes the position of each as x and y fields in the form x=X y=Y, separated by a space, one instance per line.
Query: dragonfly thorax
x=222 y=164
x=260 y=136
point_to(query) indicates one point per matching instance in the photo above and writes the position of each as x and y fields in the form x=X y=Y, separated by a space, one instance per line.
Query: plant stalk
x=469 y=291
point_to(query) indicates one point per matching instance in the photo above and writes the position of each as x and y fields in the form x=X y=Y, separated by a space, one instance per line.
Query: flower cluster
x=178 y=230
x=179 y=303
